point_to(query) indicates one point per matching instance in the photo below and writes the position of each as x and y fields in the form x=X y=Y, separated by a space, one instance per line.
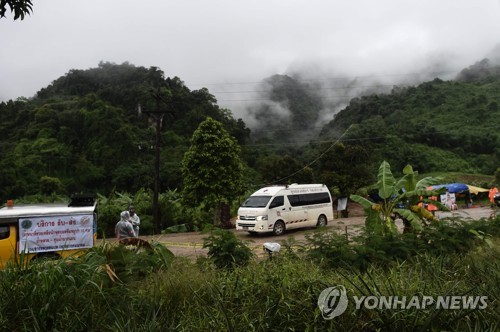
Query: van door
x=297 y=214
x=277 y=210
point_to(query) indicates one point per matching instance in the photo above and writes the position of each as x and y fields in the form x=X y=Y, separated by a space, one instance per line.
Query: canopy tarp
x=452 y=187
x=476 y=190
x=459 y=188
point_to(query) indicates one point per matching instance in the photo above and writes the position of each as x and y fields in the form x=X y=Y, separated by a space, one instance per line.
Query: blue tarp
x=452 y=187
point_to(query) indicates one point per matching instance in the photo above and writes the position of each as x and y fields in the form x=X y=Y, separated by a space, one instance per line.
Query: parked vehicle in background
x=47 y=230
x=278 y=208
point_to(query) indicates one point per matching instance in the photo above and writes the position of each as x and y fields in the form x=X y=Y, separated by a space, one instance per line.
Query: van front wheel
x=322 y=221
x=279 y=228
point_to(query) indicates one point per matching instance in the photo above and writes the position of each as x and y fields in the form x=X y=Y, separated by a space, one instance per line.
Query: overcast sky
x=210 y=42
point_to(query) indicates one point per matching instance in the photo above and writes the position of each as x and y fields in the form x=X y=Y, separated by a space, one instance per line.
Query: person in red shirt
x=492 y=193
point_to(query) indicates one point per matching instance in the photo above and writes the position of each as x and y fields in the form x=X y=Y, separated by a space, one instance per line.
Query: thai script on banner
x=53 y=233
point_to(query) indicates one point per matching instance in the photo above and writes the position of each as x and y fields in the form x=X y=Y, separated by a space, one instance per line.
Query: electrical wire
x=334 y=78
x=315 y=160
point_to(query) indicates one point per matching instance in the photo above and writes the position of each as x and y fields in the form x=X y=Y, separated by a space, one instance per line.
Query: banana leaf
x=386 y=181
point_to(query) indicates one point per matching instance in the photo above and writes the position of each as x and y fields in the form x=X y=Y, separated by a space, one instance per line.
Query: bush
x=439 y=238
x=225 y=250
x=329 y=248
x=117 y=289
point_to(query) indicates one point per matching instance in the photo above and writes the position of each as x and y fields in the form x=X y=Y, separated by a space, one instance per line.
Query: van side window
x=4 y=232
x=277 y=201
x=293 y=199
x=309 y=199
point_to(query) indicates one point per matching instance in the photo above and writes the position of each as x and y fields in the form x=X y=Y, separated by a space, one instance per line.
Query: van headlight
x=260 y=218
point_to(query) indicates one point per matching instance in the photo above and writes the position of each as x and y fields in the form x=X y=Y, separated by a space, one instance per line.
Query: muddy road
x=191 y=244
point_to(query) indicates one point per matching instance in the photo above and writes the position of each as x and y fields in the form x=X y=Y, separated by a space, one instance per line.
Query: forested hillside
x=83 y=132
x=435 y=126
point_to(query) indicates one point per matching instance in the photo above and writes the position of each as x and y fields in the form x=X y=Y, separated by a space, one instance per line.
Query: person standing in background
x=491 y=194
x=123 y=228
x=134 y=218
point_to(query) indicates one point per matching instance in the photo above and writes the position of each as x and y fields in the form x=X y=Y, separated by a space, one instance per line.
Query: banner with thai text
x=53 y=233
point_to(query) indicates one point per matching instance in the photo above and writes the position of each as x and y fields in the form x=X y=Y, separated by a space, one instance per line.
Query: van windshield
x=256 y=201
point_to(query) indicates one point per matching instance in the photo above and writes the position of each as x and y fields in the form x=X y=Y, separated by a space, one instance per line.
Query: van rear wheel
x=279 y=228
x=322 y=221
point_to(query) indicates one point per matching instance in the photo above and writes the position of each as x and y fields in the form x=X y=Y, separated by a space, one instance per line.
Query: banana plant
x=399 y=199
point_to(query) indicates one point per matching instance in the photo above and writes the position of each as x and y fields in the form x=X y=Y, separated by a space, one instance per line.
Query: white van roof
x=273 y=190
x=268 y=191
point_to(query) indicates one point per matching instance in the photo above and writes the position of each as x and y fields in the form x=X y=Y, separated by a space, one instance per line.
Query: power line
x=315 y=160
x=336 y=140
x=334 y=78
x=325 y=141
x=370 y=88
x=316 y=89
x=266 y=99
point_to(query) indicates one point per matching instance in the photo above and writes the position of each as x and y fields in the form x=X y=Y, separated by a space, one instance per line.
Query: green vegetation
x=444 y=237
x=398 y=199
x=121 y=288
x=170 y=207
x=225 y=250
x=212 y=170
x=20 y=8
x=83 y=133
x=436 y=126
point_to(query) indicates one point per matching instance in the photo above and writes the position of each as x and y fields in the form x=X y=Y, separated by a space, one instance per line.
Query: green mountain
x=435 y=126
x=83 y=132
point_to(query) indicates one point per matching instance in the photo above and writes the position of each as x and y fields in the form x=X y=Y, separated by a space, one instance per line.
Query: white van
x=278 y=208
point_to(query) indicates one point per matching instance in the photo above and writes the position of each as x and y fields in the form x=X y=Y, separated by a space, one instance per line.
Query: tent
x=476 y=190
x=452 y=187
x=460 y=187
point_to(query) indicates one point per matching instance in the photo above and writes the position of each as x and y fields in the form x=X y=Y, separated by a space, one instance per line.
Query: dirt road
x=191 y=244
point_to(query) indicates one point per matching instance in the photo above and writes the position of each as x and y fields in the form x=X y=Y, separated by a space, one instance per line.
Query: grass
x=114 y=288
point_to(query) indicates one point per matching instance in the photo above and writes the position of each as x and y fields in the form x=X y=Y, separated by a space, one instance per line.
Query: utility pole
x=157 y=115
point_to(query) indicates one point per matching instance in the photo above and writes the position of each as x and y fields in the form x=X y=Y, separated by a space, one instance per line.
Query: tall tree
x=20 y=8
x=212 y=169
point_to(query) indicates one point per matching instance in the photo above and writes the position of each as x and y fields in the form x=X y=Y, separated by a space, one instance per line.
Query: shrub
x=226 y=250
x=329 y=248
x=270 y=295
x=439 y=238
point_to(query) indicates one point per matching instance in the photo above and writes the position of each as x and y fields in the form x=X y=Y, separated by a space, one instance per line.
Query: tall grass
x=116 y=288
x=65 y=295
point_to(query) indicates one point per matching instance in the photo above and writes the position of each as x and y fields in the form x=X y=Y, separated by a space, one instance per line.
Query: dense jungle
x=93 y=131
